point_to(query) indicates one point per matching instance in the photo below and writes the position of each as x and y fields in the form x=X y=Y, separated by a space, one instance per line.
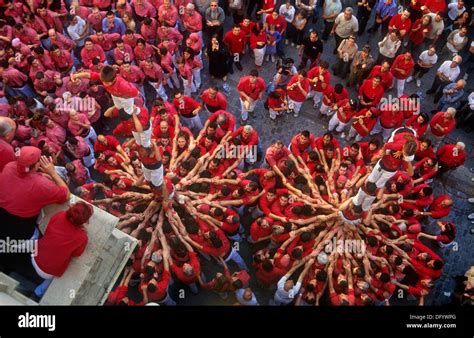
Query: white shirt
x=426 y=58
x=76 y=30
x=451 y=73
x=457 y=40
x=453 y=10
x=436 y=27
x=287 y=13
x=389 y=48
x=283 y=296
x=346 y=27
x=470 y=99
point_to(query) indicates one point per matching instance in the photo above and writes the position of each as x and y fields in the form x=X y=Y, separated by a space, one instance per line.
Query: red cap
x=28 y=156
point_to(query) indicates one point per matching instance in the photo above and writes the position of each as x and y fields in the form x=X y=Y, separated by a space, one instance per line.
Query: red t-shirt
x=61 y=242
x=235 y=43
x=120 y=87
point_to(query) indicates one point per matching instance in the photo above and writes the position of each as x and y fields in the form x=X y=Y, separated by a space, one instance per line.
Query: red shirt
x=400 y=25
x=61 y=242
x=391 y=119
x=297 y=148
x=447 y=124
x=120 y=87
x=450 y=156
x=386 y=77
x=126 y=127
x=179 y=273
x=235 y=43
x=88 y=55
x=274 y=158
x=437 y=211
x=252 y=139
x=186 y=106
x=419 y=128
x=25 y=195
x=370 y=94
x=402 y=63
x=219 y=102
x=7 y=154
x=314 y=73
x=112 y=144
x=296 y=94
x=279 y=22
x=251 y=89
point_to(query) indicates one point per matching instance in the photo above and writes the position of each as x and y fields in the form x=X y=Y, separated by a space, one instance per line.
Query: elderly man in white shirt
x=446 y=73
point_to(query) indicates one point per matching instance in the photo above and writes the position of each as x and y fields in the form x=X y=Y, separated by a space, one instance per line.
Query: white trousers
x=155 y=176
x=144 y=138
x=259 y=54
x=317 y=96
x=126 y=104
x=160 y=90
x=334 y=122
x=246 y=107
x=363 y=199
x=379 y=176
x=296 y=106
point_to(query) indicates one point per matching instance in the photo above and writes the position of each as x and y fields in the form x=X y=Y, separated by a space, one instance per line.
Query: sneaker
x=267 y=57
x=409 y=79
x=418 y=83
x=471 y=200
x=471 y=216
x=315 y=105
x=295 y=114
x=292 y=44
x=466 y=76
x=273 y=58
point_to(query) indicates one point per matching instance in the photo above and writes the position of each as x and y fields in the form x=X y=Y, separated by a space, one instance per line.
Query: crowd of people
x=103 y=99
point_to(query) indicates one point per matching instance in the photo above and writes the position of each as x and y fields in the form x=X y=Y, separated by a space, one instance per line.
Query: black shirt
x=312 y=49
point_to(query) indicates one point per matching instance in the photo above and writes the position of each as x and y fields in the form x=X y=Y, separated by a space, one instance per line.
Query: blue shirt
x=454 y=97
x=383 y=9
x=119 y=26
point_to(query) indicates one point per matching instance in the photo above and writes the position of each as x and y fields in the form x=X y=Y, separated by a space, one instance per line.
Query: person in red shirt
x=248 y=137
x=419 y=123
x=362 y=123
x=235 y=40
x=451 y=156
x=401 y=23
x=425 y=170
x=401 y=70
x=440 y=208
x=371 y=92
x=277 y=103
x=297 y=90
x=63 y=239
x=188 y=110
x=91 y=51
x=137 y=125
x=398 y=153
x=319 y=78
x=345 y=110
x=251 y=89
x=333 y=95
x=390 y=118
x=213 y=100
x=385 y=74
x=302 y=143
x=122 y=91
x=441 y=125
x=7 y=134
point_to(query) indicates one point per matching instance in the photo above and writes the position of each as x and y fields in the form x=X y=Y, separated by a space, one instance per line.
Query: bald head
x=7 y=128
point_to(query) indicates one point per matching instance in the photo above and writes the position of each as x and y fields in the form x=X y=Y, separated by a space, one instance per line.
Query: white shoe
x=409 y=79
x=273 y=58
x=471 y=216
x=343 y=135
x=267 y=57
x=471 y=200
x=466 y=76
x=418 y=83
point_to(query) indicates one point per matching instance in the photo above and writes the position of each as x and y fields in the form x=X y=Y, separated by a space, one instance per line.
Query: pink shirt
x=168 y=15
x=56 y=134
x=74 y=128
x=14 y=77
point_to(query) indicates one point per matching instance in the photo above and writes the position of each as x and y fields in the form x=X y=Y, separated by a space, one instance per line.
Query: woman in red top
x=64 y=238
x=258 y=43
x=419 y=123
